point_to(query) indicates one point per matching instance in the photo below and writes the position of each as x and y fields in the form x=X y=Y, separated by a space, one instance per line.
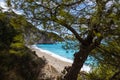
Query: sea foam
x=53 y=54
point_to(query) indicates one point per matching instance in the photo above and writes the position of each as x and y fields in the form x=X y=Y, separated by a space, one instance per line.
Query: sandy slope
x=55 y=62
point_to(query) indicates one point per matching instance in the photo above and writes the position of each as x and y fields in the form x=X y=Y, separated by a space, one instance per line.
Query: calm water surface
x=58 y=49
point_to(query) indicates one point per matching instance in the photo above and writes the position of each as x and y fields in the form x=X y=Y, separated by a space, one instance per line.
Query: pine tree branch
x=63 y=23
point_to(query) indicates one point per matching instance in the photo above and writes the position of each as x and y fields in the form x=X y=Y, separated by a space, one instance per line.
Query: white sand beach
x=56 y=61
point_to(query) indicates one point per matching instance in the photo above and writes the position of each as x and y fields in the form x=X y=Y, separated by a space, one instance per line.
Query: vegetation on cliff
x=17 y=62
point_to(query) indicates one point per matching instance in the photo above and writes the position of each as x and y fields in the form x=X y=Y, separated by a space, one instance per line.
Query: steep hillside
x=17 y=62
x=32 y=34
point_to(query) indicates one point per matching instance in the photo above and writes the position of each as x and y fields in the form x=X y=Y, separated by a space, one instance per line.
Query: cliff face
x=33 y=35
x=49 y=38
x=45 y=40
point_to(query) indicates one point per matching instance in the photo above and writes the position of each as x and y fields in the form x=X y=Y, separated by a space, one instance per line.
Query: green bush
x=17 y=62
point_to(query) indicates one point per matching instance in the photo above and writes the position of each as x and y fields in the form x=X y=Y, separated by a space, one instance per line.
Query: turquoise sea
x=58 y=49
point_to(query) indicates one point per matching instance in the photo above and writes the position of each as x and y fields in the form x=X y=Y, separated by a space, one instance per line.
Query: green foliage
x=16 y=45
x=16 y=67
x=11 y=37
x=102 y=72
x=109 y=53
x=108 y=56
x=58 y=15
x=18 y=38
x=17 y=62
x=67 y=17
x=82 y=76
x=6 y=32
x=18 y=23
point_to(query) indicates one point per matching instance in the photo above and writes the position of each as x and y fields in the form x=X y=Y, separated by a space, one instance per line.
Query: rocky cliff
x=33 y=35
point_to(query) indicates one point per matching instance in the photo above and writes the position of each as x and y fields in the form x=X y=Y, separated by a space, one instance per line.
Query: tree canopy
x=108 y=54
x=88 y=21
x=80 y=17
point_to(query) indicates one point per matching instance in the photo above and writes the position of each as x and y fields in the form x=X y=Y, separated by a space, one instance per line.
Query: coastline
x=53 y=55
x=56 y=61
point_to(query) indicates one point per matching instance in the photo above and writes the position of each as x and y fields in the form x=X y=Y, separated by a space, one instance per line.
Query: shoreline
x=56 y=61
x=53 y=55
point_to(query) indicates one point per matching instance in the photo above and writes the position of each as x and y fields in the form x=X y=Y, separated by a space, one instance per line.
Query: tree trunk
x=79 y=59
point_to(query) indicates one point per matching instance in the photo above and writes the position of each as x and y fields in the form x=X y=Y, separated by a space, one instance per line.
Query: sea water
x=57 y=49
